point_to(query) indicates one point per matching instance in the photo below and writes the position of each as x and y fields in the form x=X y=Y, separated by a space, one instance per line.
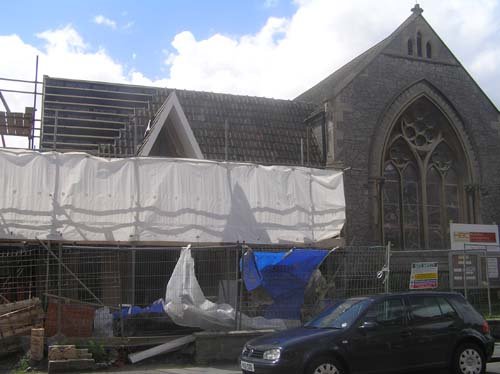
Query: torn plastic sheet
x=186 y=304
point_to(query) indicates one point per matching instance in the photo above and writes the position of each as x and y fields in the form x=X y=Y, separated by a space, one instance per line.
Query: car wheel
x=325 y=365
x=469 y=359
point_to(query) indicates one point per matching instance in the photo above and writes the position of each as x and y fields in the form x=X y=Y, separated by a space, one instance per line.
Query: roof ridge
x=375 y=50
x=292 y=101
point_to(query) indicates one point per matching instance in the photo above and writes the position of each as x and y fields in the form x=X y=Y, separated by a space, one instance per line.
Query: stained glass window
x=423 y=179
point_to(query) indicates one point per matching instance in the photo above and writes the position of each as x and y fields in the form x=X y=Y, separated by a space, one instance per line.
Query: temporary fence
x=114 y=291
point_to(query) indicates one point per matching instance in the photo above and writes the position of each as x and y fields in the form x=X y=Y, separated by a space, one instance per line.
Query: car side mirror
x=367 y=326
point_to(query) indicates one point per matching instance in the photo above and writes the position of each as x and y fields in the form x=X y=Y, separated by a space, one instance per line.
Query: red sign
x=475 y=237
x=483 y=237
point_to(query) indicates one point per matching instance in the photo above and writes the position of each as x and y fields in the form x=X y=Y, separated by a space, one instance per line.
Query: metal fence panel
x=84 y=288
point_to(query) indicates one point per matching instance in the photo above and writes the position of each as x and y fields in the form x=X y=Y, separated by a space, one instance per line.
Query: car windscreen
x=339 y=316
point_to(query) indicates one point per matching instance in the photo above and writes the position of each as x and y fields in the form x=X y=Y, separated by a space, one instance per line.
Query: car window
x=387 y=312
x=424 y=308
x=446 y=309
x=341 y=315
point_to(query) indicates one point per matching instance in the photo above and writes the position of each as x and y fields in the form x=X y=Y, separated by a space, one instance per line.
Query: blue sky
x=141 y=28
x=271 y=48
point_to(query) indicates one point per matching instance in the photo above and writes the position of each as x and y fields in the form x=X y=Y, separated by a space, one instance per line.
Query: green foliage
x=22 y=365
x=98 y=352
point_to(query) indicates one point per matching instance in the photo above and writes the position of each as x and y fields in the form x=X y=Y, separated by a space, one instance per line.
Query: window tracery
x=423 y=179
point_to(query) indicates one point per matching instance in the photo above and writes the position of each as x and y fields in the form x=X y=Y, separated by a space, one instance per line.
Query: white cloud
x=281 y=59
x=64 y=54
x=101 y=20
x=288 y=56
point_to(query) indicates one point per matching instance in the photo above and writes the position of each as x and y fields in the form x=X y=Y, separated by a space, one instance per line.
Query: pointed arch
x=410 y=47
x=419 y=44
x=428 y=50
x=421 y=123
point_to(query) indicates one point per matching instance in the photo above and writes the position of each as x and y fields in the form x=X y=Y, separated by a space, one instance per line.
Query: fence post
x=59 y=294
x=120 y=295
x=240 y=283
x=47 y=278
x=464 y=268
x=488 y=281
x=237 y=276
x=388 y=264
x=132 y=298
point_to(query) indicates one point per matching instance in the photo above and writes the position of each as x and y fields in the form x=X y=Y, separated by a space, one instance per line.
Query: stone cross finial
x=416 y=9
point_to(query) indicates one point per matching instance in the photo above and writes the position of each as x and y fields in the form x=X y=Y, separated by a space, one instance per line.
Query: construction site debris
x=103 y=322
x=170 y=346
x=20 y=317
x=63 y=358
x=186 y=304
x=68 y=352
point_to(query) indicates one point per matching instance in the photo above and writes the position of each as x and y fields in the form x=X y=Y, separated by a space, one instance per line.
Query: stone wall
x=358 y=113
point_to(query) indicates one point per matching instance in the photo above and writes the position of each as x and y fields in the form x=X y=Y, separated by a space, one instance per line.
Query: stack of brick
x=36 y=347
x=64 y=358
x=20 y=317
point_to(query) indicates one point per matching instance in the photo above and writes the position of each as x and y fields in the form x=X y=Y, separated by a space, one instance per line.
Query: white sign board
x=424 y=275
x=469 y=236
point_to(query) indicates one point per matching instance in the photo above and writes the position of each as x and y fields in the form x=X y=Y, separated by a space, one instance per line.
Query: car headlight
x=272 y=354
x=244 y=352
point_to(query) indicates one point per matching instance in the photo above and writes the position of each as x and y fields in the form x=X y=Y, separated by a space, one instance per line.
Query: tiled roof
x=260 y=130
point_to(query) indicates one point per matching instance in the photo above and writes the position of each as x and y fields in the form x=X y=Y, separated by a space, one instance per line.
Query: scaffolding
x=99 y=118
x=15 y=123
x=103 y=119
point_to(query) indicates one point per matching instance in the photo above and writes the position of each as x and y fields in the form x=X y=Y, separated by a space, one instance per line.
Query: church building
x=417 y=138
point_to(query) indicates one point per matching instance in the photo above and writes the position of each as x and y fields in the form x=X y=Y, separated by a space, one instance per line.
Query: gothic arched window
x=410 y=47
x=419 y=44
x=428 y=49
x=424 y=173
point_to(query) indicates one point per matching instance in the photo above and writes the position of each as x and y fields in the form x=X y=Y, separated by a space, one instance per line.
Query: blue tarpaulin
x=284 y=276
x=156 y=307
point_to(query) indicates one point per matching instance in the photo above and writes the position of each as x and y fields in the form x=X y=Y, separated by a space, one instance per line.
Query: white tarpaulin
x=77 y=197
x=186 y=304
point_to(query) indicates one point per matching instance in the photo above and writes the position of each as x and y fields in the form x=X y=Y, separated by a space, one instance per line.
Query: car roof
x=408 y=293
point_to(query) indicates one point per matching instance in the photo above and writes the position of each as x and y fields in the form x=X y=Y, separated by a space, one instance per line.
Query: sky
x=271 y=48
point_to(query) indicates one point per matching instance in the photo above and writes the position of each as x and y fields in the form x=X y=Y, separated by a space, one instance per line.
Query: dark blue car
x=379 y=334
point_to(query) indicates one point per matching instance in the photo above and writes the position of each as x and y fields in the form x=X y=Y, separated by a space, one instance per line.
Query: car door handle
x=405 y=334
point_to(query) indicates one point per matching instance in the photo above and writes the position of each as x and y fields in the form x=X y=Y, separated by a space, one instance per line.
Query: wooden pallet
x=20 y=318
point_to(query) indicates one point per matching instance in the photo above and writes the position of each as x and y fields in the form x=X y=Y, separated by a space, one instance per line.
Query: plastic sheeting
x=284 y=276
x=186 y=304
x=77 y=197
